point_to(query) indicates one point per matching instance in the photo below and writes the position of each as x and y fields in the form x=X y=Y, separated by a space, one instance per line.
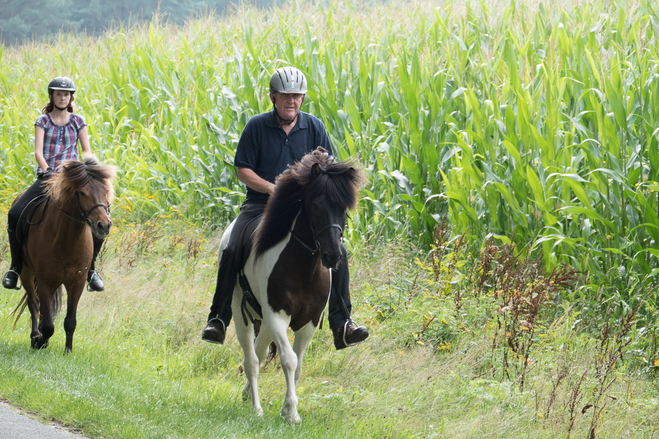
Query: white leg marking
x=300 y=344
x=245 y=335
x=278 y=323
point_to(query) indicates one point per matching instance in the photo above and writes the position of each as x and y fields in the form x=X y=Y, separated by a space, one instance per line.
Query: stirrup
x=345 y=326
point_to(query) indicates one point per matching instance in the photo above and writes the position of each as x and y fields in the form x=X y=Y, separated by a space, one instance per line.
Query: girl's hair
x=50 y=106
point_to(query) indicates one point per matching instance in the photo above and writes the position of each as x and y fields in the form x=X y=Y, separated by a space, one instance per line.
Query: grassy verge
x=139 y=368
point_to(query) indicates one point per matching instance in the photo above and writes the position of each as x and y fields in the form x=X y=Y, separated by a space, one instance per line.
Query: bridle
x=85 y=214
x=315 y=233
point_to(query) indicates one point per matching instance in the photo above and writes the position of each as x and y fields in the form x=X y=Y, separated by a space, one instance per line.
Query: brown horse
x=59 y=246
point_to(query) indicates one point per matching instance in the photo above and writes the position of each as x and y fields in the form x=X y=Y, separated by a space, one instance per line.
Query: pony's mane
x=316 y=175
x=75 y=175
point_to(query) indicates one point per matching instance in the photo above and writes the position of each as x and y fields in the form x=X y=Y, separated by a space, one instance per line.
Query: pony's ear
x=315 y=170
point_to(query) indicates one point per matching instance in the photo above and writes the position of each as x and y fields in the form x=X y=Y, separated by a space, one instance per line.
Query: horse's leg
x=73 y=293
x=245 y=335
x=278 y=323
x=303 y=337
x=46 y=326
x=27 y=279
x=263 y=341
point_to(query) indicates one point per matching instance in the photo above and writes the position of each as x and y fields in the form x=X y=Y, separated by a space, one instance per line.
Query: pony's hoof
x=37 y=342
x=291 y=418
x=259 y=412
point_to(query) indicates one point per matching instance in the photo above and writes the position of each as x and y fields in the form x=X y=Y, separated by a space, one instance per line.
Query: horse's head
x=323 y=191
x=331 y=193
x=86 y=188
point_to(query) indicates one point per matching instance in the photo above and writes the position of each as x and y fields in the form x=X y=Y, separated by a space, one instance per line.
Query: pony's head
x=88 y=187
x=324 y=191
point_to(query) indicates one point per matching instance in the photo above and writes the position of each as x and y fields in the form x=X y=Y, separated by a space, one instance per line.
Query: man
x=270 y=143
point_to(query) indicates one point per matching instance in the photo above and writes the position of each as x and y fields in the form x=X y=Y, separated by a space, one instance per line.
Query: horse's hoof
x=259 y=412
x=291 y=418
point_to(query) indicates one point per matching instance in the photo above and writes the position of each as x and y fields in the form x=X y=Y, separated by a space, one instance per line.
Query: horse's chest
x=298 y=285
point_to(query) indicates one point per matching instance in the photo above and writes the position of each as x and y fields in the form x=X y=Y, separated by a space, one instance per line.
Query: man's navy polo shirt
x=265 y=148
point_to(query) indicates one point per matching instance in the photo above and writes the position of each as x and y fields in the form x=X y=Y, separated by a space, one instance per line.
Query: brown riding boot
x=349 y=335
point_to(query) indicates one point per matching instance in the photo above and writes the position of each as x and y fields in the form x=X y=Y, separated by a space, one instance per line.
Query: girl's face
x=61 y=98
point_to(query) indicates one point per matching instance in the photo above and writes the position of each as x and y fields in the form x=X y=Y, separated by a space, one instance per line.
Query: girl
x=56 y=135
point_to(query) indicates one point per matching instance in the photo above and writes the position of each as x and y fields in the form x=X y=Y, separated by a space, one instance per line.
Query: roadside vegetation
x=504 y=250
x=443 y=360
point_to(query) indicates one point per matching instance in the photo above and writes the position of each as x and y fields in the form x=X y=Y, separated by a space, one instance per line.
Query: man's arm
x=254 y=182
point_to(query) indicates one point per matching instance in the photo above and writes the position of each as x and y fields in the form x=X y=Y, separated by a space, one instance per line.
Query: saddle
x=242 y=254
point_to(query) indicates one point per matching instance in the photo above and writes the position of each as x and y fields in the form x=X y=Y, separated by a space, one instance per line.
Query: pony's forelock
x=74 y=175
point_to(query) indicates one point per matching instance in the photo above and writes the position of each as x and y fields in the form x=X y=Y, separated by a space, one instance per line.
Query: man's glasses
x=291 y=96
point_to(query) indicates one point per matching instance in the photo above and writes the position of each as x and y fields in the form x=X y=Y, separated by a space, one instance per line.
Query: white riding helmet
x=288 y=80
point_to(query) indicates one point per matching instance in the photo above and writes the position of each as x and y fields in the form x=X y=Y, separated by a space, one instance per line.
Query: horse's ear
x=315 y=170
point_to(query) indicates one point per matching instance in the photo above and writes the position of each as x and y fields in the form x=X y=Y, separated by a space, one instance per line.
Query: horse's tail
x=56 y=304
x=19 y=309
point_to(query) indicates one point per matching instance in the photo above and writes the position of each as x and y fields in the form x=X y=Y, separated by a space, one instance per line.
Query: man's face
x=287 y=104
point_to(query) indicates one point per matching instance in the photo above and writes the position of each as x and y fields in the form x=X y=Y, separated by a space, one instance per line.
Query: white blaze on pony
x=288 y=269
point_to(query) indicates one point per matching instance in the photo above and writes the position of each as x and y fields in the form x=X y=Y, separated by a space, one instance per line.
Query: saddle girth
x=248 y=298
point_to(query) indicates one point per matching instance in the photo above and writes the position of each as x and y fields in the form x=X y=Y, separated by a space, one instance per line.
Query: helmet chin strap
x=283 y=121
x=60 y=108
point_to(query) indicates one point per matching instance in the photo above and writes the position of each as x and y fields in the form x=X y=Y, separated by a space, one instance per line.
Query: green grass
x=139 y=368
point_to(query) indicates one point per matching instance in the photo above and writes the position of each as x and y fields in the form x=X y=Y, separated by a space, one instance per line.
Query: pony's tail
x=55 y=305
x=19 y=309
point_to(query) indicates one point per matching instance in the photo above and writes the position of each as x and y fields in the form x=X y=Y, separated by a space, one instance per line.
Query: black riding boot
x=11 y=277
x=345 y=332
x=93 y=278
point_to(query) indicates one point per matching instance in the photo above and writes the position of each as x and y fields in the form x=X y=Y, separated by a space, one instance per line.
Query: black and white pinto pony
x=288 y=269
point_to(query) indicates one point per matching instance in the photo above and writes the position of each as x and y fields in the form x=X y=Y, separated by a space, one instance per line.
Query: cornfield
x=513 y=121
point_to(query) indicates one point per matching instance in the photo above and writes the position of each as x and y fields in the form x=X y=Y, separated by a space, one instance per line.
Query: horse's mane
x=75 y=175
x=316 y=175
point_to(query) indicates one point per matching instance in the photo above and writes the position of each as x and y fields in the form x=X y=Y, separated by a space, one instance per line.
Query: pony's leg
x=74 y=291
x=278 y=326
x=245 y=335
x=303 y=337
x=27 y=279
x=46 y=326
x=263 y=341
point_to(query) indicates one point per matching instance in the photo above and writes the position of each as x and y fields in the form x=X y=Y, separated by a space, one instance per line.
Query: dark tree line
x=22 y=20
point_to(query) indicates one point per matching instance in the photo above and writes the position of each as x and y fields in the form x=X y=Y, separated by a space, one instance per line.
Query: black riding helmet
x=61 y=83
